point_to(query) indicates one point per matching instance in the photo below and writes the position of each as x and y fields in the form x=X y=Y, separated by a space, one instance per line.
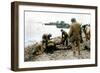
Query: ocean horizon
x=39 y=30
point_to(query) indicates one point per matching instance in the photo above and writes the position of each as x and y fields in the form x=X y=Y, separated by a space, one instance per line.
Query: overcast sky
x=34 y=23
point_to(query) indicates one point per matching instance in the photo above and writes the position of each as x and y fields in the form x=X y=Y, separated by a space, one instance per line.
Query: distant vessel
x=58 y=24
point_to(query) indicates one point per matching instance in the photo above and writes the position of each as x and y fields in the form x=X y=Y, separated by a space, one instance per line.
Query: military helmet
x=62 y=30
x=73 y=20
x=49 y=35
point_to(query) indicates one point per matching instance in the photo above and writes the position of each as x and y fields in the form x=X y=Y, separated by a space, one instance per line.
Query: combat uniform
x=45 y=39
x=74 y=35
x=64 y=38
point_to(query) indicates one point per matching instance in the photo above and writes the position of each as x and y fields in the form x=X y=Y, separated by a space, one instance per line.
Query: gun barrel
x=64 y=25
x=50 y=24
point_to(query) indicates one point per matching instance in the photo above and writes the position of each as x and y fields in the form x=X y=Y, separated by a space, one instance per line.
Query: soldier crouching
x=47 y=44
x=45 y=39
x=40 y=48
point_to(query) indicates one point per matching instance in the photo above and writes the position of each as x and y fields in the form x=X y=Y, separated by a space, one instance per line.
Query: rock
x=59 y=54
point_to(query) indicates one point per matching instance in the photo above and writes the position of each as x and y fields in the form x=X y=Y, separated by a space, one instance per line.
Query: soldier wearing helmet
x=74 y=35
x=64 y=37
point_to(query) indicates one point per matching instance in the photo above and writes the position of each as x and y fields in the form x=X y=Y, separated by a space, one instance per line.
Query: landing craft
x=58 y=24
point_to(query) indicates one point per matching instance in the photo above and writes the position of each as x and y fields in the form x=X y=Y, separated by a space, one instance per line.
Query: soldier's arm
x=70 y=31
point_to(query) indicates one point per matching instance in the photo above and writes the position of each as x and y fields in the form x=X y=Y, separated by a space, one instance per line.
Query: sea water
x=34 y=32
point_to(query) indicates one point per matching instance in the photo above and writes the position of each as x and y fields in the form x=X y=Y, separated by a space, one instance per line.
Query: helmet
x=49 y=35
x=62 y=30
x=73 y=20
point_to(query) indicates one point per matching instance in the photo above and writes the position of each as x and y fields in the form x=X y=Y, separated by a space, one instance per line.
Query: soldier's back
x=76 y=28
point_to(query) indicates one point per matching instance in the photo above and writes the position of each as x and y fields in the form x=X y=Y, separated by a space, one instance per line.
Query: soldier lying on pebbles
x=74 y=35
x=38 y=49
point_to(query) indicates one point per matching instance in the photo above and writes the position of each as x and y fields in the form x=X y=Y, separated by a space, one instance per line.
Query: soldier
x=47 y=43
x=74 y=35
x=45 y=39
x=86 y=30
x=64 y=37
